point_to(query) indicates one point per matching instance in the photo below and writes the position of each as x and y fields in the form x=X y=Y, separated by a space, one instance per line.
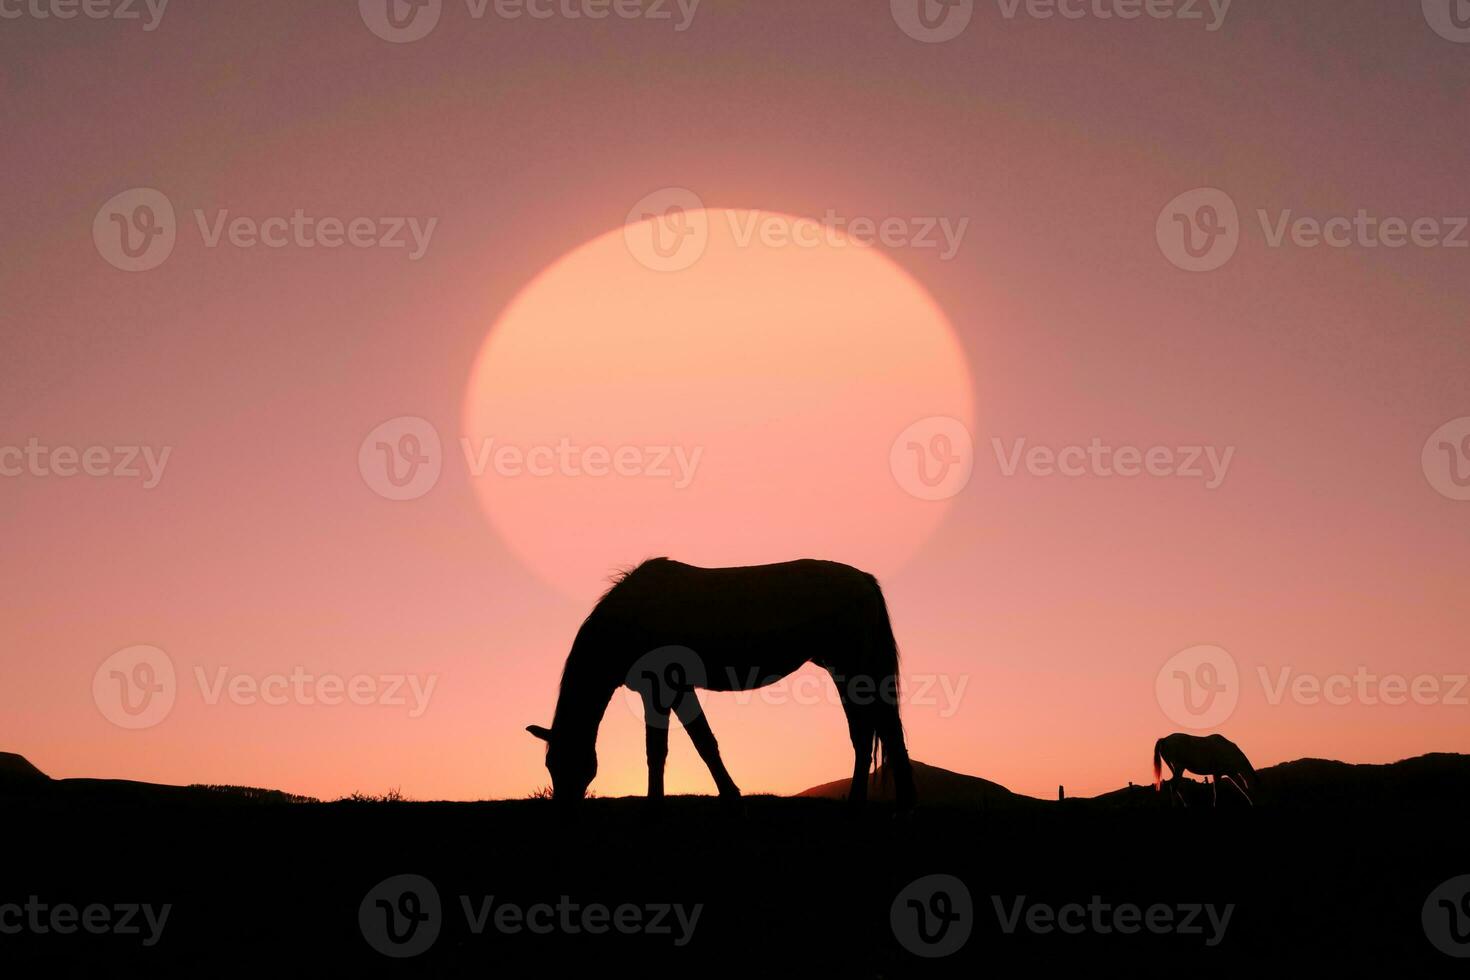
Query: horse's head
x=571 y=762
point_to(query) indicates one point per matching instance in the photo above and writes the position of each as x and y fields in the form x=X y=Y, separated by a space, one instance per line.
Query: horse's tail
x=1158 y=780
x=890 y=754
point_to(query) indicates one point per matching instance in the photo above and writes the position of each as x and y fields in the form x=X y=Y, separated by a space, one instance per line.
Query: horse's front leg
x=656 y=736
x=695 y=723
x=1238 y=781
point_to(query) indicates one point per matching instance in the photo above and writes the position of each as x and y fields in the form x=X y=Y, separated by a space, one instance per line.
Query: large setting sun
x=754 y=390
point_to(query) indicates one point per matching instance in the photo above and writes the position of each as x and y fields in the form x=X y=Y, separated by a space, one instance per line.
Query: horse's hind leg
x=860 y=730
x=1175 y=792
x=656 y=736
x=697 y=726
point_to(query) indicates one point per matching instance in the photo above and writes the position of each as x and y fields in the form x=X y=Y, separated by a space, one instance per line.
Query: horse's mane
x=579 y=646
x=622 y=575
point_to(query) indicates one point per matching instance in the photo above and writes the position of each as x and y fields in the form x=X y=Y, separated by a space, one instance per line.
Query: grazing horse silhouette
x=1204 y=755
x=666 y=628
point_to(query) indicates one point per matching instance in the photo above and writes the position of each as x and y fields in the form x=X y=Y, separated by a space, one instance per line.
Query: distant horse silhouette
x=666 y=628
x=1207 y=755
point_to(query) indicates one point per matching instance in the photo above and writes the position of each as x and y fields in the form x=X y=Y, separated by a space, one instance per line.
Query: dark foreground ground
x=789 y=887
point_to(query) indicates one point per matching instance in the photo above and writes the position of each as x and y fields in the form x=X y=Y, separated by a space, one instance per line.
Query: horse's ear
x=544 y=734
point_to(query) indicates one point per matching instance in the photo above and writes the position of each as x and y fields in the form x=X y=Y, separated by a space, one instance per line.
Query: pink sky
x=1054 y=600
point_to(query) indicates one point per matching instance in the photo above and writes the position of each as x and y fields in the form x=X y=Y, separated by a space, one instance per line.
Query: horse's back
x=670 y=601
x=807 y=579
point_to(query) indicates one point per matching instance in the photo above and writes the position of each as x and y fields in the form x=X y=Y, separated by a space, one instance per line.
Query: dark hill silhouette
x=1439 y=778
x=776 y=874
x=18 y=769
x=935 y=786
x=20 y=779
